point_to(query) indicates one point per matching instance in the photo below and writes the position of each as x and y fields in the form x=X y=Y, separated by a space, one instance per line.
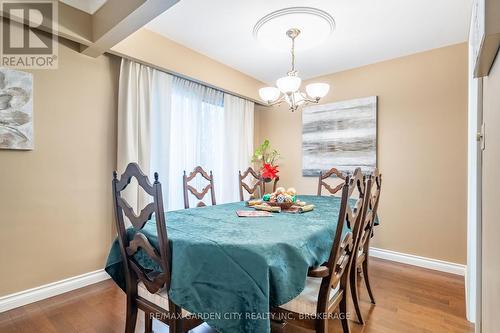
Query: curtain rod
x=161 y=69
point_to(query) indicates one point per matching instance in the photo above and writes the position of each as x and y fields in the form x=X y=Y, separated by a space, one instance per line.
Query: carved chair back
x=352 y=209
x=374 y=183
x=199 y=195
x=328 y=174
x=134 y=272
x=251 y=190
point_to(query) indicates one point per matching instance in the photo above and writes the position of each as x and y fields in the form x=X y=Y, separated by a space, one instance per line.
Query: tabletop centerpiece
x=279 y=201
x=281 y=198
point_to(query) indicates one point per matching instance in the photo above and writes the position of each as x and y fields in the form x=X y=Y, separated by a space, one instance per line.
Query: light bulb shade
x=317 y=90
x=289 y=84
x=269 y=94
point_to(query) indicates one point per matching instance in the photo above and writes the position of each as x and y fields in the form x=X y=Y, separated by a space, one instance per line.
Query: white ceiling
x=367 y=31
x=89 y=6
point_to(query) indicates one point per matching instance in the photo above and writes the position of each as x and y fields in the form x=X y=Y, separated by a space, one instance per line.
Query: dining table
x=230 y=270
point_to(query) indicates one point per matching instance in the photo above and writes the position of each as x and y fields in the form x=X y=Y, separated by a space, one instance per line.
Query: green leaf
x=264 y=154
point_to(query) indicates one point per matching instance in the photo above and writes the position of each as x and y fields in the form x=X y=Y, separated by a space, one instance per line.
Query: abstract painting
x=341 y=135
x=16 y=109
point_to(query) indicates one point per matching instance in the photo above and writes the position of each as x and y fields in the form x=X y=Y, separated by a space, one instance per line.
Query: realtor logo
x=29 y=37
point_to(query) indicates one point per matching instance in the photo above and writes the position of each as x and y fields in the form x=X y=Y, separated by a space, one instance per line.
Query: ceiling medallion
x=315 y=24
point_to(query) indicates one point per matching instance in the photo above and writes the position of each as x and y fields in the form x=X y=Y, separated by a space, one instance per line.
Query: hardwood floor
x=409 y=299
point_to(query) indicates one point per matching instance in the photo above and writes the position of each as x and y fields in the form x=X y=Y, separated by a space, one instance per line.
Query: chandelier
x=288 y=86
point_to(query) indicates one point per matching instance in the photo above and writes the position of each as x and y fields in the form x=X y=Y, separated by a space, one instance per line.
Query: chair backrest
x=328 y=174
x=374 y=184
x=134 y=272
x=258 y=185
x=350 y=214
x=199 y=195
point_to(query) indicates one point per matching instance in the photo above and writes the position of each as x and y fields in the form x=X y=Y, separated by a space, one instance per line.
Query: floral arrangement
x=266 y=157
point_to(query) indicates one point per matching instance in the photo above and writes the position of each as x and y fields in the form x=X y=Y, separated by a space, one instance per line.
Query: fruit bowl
x=282 y=198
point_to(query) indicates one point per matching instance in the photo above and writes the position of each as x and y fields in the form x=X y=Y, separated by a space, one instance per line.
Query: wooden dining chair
x=328 y=174
x=327 y=285
x=146 y=289
x=258 y=183
x=199 y=195
x=361 y=260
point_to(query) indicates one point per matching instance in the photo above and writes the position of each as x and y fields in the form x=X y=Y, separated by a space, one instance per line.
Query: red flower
x=269 y=171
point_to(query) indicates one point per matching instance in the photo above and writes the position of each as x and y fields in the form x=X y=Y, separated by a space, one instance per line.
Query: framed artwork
x=16 y=109
x=341 y=135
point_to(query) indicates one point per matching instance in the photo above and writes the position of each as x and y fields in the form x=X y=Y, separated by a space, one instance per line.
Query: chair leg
x=172 y=326
x=355 y=294
x=367 y=280
x=131 y=319
x=277 y=326
x=343 y=315
x=322 y=325
x=148 y=322
x=178 y=327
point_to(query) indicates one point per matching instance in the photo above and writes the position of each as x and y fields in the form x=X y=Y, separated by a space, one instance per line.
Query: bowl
x=282 y=205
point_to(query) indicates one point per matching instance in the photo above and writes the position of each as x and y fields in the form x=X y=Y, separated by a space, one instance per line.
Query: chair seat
x=306 y=302
x=160 y=298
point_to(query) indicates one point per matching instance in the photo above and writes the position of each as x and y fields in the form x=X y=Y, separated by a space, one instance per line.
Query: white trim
x=410 y=259
x=52 y=289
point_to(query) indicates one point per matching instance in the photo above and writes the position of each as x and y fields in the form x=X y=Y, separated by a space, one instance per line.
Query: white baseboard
x=410 y=259
x=52 y=289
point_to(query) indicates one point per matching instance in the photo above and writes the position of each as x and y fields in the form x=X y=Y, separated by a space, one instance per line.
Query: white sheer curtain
x=238 y=129
x=144 y=102
x=168 y=124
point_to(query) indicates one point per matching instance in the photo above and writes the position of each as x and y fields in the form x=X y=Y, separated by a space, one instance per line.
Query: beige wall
x=151 y=48
x=422 y=147
x=55 y=201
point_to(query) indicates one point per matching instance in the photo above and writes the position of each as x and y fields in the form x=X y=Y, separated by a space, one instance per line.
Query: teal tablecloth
x=229 y=269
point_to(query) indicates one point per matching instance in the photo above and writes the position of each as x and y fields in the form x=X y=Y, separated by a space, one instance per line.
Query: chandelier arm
x=278 y=101
x=312 y=100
